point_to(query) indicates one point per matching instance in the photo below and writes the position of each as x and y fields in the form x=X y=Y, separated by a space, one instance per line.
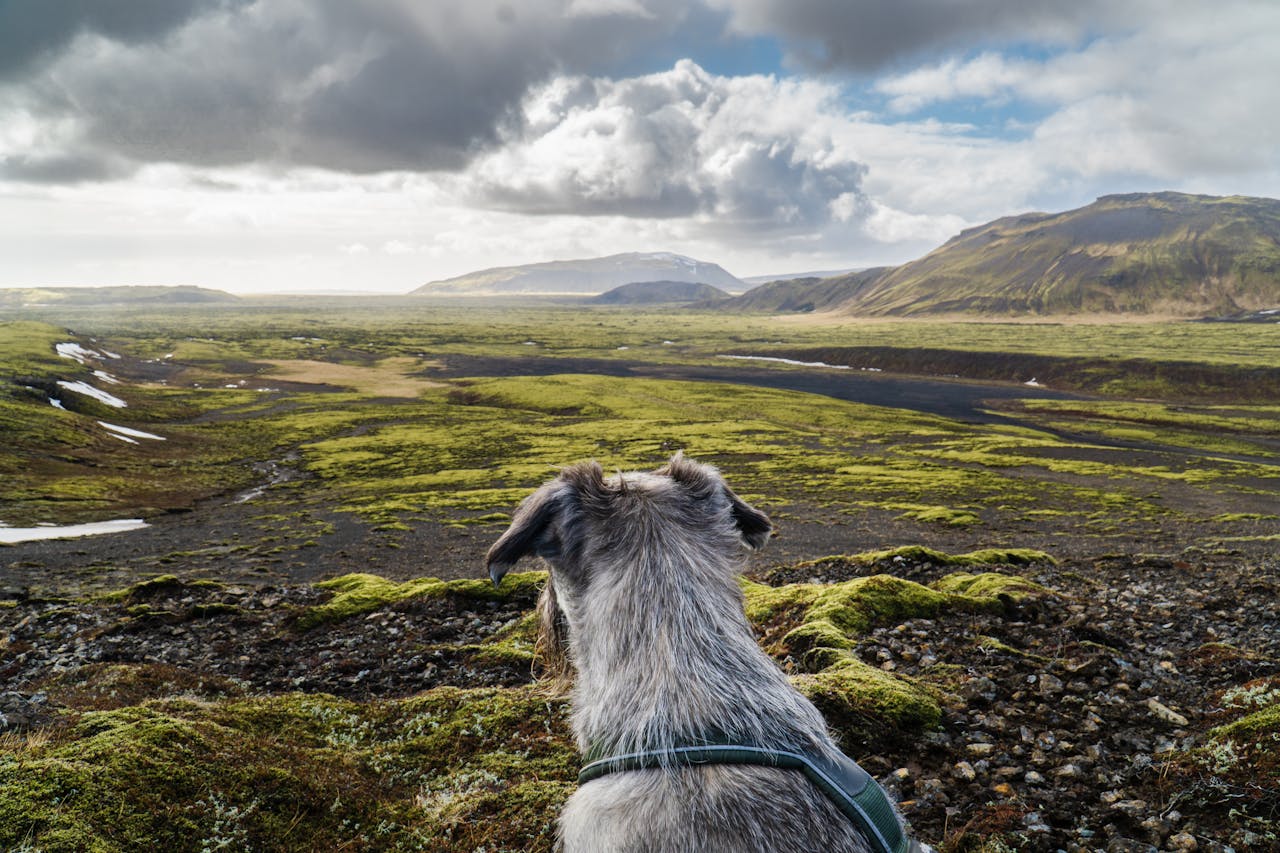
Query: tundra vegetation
x=350 y=462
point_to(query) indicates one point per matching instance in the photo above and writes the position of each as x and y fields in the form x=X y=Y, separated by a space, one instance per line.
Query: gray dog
x=695 y=740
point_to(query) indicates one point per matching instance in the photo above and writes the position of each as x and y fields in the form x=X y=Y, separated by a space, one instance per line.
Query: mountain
x=583 y=277
x=1142 y=253
x=755 y=280
x=654 y=292
x=25 y=297
x=804 y=294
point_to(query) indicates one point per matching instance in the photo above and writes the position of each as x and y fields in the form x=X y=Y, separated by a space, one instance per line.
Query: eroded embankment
x=1172 y=379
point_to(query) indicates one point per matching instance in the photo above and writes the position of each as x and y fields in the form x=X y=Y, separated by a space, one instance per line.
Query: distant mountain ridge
x=185 y=294
x=586 y=277
x=1142 y=253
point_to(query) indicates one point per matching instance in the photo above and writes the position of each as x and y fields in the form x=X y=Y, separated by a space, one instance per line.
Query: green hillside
x=1160 y=254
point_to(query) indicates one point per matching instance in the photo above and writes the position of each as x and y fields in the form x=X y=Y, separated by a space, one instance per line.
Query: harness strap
x=852 y=789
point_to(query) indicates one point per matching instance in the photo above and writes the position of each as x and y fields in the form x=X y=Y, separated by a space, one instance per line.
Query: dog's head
x=590 y=528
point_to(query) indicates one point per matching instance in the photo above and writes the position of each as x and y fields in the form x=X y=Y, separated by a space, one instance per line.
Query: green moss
x=818 y=625
x=355 y=594
x=850 y=693
x=939 y=515
x=295 y=773
x=152 y=587
x=921 y=554
x=987 y=586
x=1260 y=726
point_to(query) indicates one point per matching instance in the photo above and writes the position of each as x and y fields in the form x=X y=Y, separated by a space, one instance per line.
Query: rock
x=1166 y=713
x=1050 y=686
x=1183 y=841
x=980 y=749
x=1128 y=845
x=1157 y=829
x=20 y=712
x=964 y=771
x=1131 y=808
x=980 y=688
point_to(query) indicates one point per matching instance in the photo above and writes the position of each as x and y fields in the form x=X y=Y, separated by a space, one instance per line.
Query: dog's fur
x=644 y=606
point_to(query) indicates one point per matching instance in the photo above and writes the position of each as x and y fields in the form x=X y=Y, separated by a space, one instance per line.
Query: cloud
x=742 y=154
x=1184 y=95
x=350 y=85
x=33 y=30
x=865 y=35
x=989 y=76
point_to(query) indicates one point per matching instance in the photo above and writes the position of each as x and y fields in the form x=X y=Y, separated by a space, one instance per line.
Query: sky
x=375 y=145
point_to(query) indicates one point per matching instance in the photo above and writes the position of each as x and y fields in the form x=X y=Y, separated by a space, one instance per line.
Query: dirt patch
x=391 y=377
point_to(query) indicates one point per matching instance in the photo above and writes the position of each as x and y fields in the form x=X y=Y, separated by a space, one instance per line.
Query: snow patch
x=89 y=391
x=136 y=433
x=796 y=363
x=76 y=353
x=788 y=361
x=106 y=377
x=56 y=403
x=12 y=535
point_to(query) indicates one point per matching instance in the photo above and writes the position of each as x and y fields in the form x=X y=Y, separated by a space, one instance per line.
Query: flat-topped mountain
x=586 y=277
x=1143 y=253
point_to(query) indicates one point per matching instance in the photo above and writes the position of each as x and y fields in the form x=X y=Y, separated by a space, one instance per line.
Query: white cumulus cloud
x=746 y=153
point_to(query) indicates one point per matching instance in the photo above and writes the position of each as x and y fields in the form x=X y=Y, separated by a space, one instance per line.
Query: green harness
x=850 y=787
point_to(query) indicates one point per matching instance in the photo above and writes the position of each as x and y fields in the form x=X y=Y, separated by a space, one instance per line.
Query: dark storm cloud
x=62 y=169
x=35 y=29
x=351 y=85
x=863 y=35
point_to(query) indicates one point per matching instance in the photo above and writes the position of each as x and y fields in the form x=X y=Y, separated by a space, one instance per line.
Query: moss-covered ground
x=359 y=394
x=209 y=766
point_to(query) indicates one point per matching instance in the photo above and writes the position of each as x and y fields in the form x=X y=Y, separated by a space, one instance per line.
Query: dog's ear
x=700 y=480
x=532 y=530
x=753 y=524
x=551 y=649
x=528 y=531
x=585 y=480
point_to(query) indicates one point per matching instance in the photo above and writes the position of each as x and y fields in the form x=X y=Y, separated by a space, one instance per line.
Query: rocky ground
x=1068 y=722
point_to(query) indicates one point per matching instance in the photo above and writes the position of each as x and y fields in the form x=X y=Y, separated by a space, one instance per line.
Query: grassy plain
x=386 y=427
x=379 y=447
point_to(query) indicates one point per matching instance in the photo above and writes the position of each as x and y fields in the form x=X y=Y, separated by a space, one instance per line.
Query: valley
x=1094 y=539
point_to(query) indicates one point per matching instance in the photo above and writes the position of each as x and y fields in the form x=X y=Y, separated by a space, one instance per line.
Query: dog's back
x=718 y=809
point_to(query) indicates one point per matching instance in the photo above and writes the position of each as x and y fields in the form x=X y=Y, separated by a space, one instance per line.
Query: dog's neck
x=665 y=656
